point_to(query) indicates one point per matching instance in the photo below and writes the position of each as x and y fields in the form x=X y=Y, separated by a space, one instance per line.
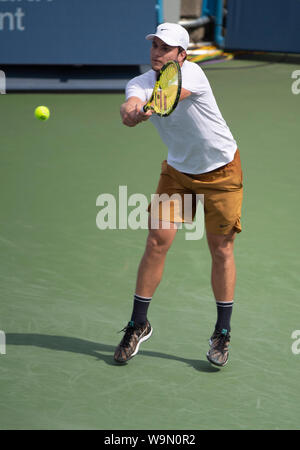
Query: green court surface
x=67 y=287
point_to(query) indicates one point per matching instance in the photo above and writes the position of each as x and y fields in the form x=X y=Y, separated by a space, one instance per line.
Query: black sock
x=224 y=315
x=140 y=308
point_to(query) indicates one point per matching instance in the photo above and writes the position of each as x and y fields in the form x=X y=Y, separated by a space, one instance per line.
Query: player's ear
x=181 y=55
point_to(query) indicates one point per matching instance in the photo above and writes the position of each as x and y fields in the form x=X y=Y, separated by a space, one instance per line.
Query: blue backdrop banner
x=267 y=25
x=76 y=31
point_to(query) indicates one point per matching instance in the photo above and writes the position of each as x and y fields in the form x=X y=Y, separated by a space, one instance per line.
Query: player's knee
x=222 y=253
x=222 y=248
x=158 y=244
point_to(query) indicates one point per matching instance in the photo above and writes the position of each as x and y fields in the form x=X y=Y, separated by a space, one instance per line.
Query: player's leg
x=223 y=279
x=160 y=238
x=149 y=276
x=223 y=273
x=152 y=264
x=222 y=219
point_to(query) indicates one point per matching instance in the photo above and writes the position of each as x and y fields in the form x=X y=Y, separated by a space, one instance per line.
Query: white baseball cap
x=172 y=34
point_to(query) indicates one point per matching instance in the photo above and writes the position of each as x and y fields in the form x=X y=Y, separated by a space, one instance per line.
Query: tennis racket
x=166 y=93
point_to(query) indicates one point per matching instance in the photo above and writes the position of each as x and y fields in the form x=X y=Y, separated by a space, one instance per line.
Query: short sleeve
x=135 y=89
x=194 y=79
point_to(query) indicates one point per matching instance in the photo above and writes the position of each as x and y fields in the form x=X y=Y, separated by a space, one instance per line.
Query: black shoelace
x=129 y=330
x=221 y=341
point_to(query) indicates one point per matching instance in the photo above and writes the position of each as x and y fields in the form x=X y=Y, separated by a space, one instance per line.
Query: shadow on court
x=95 y=349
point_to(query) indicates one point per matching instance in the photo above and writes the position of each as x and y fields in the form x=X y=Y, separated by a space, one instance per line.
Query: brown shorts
x=223 y=195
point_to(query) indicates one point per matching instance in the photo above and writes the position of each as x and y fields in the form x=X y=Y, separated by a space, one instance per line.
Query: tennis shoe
x=134 y=335
x=218 y=352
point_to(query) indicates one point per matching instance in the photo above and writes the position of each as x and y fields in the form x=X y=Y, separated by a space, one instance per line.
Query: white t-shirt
x=196 y=135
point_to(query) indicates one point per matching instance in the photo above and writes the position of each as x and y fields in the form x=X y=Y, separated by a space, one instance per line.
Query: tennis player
x=203 y=158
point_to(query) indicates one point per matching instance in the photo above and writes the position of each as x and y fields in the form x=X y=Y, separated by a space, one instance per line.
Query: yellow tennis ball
x=42 y=113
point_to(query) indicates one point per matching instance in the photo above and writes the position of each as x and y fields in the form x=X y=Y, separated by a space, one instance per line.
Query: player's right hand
x=142 y=116
x=132 y=115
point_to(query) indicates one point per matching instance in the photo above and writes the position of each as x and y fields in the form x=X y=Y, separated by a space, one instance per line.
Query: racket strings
x=169 y=77
x=166 y=95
